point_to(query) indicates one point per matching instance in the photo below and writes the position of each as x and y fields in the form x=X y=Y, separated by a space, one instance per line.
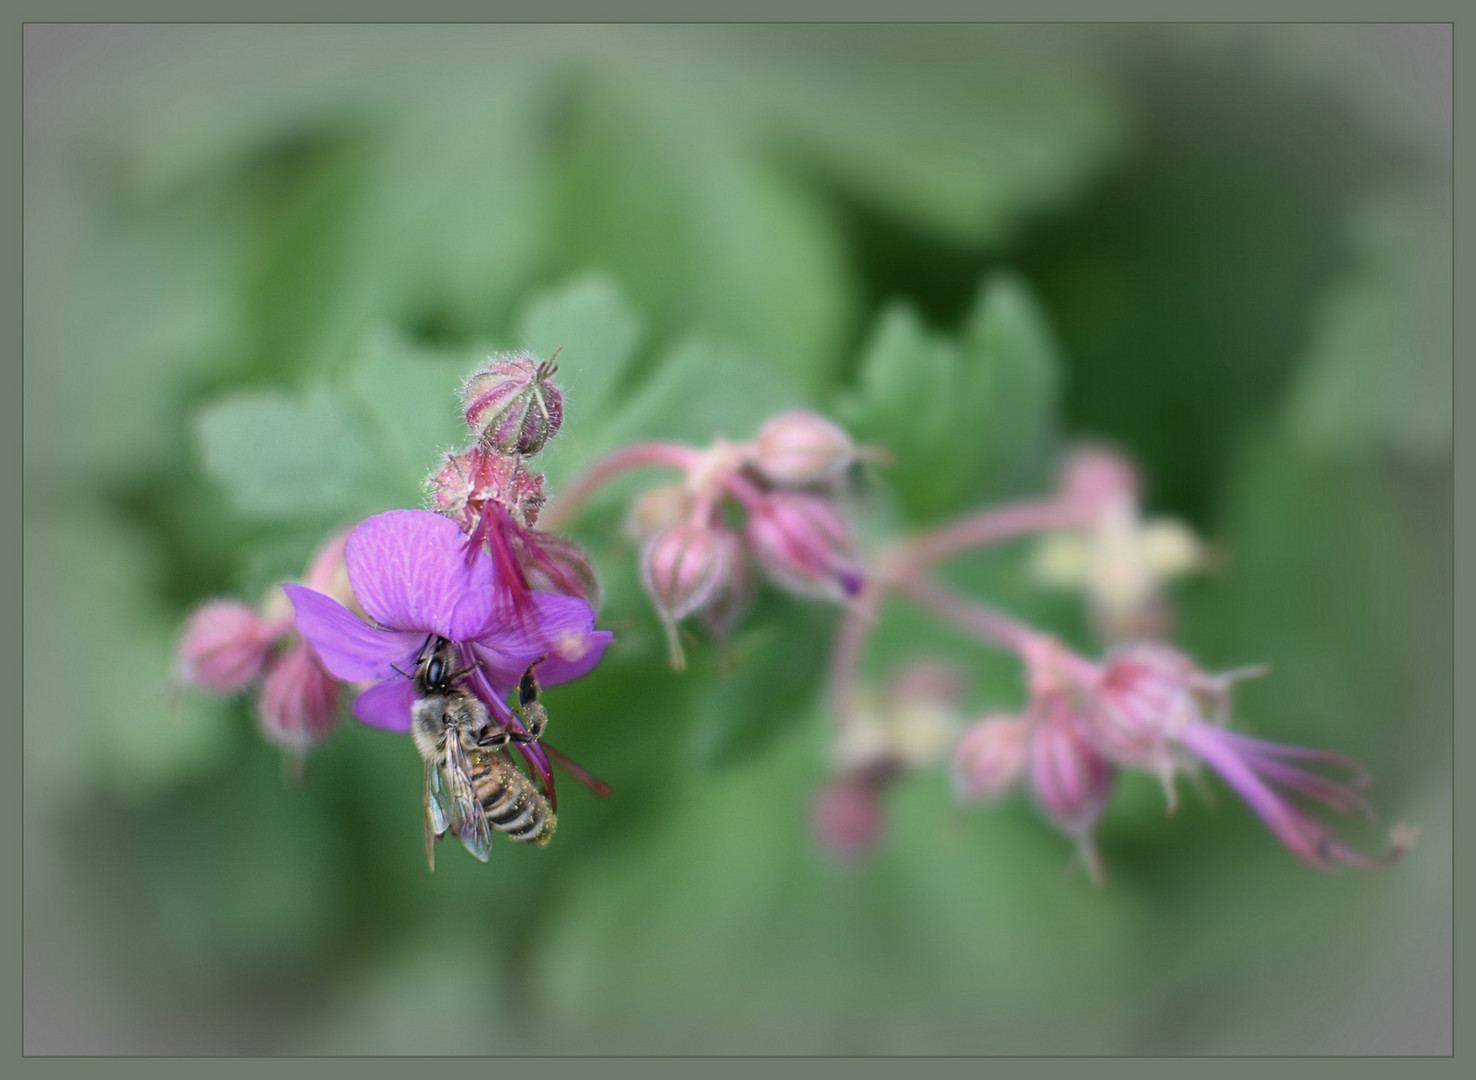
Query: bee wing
x=467 y=818
x=435 y=820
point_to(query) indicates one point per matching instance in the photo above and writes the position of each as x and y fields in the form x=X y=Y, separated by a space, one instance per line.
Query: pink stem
x=995 y=626
x=989 y=526
x=639 y=455
x=845 y=655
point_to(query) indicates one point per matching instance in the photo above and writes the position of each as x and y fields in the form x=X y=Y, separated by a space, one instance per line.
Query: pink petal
x=387 y=703
x=350 y=649
x=411 y=570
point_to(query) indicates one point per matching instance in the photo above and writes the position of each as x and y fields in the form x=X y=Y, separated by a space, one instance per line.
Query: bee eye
x=434 y=671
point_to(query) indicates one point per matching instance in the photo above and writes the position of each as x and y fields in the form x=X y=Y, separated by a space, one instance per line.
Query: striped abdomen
x=513 y=805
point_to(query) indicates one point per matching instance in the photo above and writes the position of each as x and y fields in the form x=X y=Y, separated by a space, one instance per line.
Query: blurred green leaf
x=1378 y=374
x=699 y=392
x=767 y=683
x=283 y=457
x=102 y=710
x=965 y=130
x=956 y=416
x=963 y=944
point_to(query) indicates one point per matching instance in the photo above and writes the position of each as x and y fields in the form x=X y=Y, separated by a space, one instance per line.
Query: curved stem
x=992 y=525
x=639 y=455
x=845 y=654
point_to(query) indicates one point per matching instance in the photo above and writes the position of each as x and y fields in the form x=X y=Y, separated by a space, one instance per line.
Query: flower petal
x=411 y=570
x=350 y=649
x=572 y=656
x=559 y=628
x=387 y=703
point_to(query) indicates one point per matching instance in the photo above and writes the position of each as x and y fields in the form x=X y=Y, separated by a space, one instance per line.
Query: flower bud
x=683 y=568
x=511 y=403
x=847 y=817
x=224 y=646
x=990 y=758
x=796 y=449
x=1069 y=779
x=1098 y=475
x=468 y=480
x=803 y=545
x=299 y=699
x=1144 y=699
x=554 y=563
x=658 y=508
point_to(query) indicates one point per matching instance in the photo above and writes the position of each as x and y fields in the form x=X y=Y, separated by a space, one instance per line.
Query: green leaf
x=958 y=418
x=409 y=393
x=1378 y=375
x=768 y=680
x=946 y=941
x=700 y=392
x=288 y=457
x=1014 y=366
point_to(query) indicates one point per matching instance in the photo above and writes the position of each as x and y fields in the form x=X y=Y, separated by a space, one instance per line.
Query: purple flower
x=1255 y=768
x=412 y=575
x=1151 y=702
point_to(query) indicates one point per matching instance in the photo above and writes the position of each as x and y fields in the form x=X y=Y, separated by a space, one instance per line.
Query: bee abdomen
x=513 y=806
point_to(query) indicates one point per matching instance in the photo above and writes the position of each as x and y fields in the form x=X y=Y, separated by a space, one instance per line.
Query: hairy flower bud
x=224 y=646
x=803 y=545
x=468 y=480
x=299 y=699
x=796 y=449
x=511 y=403
x=1069 y=779
x=990 y=758
x=847 y=817
x=1144 y=699
x=683 y=568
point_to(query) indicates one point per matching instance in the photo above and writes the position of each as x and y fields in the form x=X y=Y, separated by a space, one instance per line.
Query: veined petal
x=410 y=570
x=350 y=649
x=387 y=703
x=559 y=629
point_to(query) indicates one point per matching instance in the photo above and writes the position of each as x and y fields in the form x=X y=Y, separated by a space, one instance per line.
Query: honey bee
x=469 y=788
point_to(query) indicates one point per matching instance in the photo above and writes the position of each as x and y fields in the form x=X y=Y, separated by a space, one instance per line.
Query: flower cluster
x=475 y=572
x=784 y=485
x=513 y=409
x=228 y=646
x=1145 y=706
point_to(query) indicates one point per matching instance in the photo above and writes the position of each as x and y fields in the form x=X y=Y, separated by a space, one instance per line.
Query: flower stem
x=990 y=526
x=636 y=456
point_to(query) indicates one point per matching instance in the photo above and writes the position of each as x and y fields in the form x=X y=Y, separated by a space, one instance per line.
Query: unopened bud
x=1069 y=779
x=1098 y=475
x=990 y=758
x=468 y=480
x=555 y=563
x=658 y=508
x=847 y=817
x=796 y=449
x=511 y=403
x=1144 y=699
x=803 y=545
x=299 y=699
x=683 y=567
x=224 y=646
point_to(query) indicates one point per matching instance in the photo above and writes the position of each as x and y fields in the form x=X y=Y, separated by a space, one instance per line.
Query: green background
x=257 y=262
